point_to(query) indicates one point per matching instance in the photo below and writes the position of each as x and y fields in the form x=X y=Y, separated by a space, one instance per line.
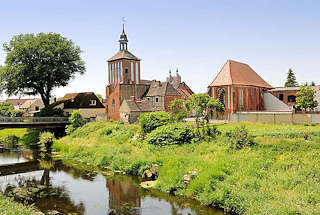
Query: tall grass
x=279 y=175
x=9 y=207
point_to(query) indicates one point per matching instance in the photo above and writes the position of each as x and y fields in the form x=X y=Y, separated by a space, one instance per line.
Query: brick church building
x=239 y=88
x=127 y=95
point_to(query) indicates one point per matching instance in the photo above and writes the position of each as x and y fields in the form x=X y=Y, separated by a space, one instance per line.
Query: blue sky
x=195 y=36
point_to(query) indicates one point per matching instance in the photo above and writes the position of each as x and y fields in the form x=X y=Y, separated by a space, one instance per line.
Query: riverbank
x=9 y=207
x=277 y=176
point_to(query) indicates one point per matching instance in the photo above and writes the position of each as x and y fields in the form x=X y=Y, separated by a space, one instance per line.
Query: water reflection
x=70 y=190
x=123 y=198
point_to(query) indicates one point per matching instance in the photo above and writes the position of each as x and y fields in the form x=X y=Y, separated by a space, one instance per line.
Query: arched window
x=222 y=96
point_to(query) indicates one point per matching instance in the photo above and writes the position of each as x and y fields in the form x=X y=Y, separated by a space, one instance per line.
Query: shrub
x=10 y=141
x=239 y=138
x=150 y=121
x=172 y=134
x=76 y=121
x=46 y=141
x=47 y=112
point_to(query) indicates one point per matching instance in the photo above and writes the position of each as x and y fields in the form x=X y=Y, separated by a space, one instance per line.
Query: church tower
x=124 y=80
x=123 y=67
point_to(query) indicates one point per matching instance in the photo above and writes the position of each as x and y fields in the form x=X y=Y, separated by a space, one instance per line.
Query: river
x=84 y=192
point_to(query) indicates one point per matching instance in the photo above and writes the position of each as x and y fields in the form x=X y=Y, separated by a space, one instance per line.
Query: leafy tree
x=202 y=105
x=7 y=110
x=291 y=79
x=99 y=97
x=177 y=110
x=36 y=64
x=306 y=98
x=76 y=121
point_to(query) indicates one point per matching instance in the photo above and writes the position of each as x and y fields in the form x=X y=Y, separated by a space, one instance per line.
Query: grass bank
x=26 y=136
x=9 y=207
x=280 y=175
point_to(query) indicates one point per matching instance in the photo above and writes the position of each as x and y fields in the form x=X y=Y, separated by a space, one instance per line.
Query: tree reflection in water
x=48 y=198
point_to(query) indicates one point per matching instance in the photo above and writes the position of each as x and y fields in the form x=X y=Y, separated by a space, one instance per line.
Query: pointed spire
x=123 y=40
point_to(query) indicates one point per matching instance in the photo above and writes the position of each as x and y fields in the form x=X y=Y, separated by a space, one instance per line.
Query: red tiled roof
x=123 y=55
x=236 y=73
x=17 y=102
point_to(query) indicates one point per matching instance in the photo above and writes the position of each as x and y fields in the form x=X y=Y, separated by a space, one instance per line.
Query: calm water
x=83 y=192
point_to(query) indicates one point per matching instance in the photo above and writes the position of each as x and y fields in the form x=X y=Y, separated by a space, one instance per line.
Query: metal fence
x=33 y=119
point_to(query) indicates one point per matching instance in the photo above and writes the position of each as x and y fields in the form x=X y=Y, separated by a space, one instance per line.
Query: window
x=241 y=97
x=132 y=72
x=157 y=100
x=221 y=96
x=37 y=108
x=121 y=75
x=137 y=73
x=93 y=103
x=291 y=98
x=110 y=74
x=113 y=102
x=281 y=97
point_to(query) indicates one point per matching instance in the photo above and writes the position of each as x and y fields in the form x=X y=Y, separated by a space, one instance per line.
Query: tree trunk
x=45 y=100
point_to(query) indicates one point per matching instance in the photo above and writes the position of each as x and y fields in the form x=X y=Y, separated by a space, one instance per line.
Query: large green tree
x=306 y=98
x=291 y=79
x=201 y=106
x=36 y=64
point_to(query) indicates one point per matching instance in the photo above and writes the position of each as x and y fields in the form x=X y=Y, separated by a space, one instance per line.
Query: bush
x=46 y=141
x=240 y=138
x=10 y=141
x=47 y=112
x=172 y=134
x=150 y=121
x=76 y=121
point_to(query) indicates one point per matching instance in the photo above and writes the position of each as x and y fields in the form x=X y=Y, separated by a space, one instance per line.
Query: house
x=239 y=88
x=17 y=102
x=125 y=83
x=87 y=103
x=160 y=95
x=131 y=109
x=288 y=95
x=32 y=106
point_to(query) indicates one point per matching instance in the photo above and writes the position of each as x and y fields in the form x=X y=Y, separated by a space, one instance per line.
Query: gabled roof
x=28 y=103
x=236 y=73
x=136 y=106
x=124 y=54
x=17 y=102
x=158 y=88
x=184 y=90
x=79 y=100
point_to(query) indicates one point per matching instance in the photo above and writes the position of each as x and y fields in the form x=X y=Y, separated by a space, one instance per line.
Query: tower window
x=132 y=72
x=157 y=100
x=137 y=73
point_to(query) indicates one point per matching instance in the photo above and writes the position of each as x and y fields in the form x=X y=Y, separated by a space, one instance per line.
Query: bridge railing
x=33 y=119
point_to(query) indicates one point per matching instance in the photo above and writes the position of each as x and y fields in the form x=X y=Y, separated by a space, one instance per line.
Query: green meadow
x=278 y=175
